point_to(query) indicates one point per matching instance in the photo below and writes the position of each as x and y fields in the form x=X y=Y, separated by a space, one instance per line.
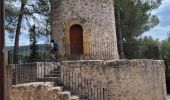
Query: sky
x=161 y=30
x=24 y=39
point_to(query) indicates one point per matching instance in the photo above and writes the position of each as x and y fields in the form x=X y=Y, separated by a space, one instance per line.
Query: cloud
x=164 y=7
x=8 y=41
x=43 y=40
x=24 y=39
x=158 y=32
x=163 y=13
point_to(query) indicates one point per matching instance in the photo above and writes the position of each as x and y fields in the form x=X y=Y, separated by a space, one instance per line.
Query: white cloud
x=163 y=12
x=158 y=32
x=24 y=39
x=8 y=41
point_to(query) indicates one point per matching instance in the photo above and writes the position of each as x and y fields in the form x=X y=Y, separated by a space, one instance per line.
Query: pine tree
x=34 y=55
x=18 y=18
x=133 y=18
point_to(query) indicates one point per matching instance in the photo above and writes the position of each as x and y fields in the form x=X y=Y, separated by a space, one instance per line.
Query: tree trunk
x=16 y=44
x=119 y=34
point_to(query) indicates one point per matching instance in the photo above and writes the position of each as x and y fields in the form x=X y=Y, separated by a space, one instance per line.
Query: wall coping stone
x=35 y=84
x=117 y=63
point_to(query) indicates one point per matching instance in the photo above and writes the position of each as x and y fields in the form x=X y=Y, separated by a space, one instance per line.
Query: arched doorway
x=76 y=39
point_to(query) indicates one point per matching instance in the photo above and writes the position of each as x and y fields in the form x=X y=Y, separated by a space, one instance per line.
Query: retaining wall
x=126 y=79
x=38 y=91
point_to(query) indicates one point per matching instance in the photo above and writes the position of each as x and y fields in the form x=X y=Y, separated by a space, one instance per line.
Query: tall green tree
x=22 y=16
x=18 y=29
x=34 y=55
x=143 y=48
x=133 y=18
x=165 y=48
x=165 y=54
x=136 y=17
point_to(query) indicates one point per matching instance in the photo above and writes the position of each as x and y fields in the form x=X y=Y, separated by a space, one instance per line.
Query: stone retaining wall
x=38 y=91
x=126 y=79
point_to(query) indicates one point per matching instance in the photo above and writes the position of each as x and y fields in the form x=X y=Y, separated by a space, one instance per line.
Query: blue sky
x=24 y=39
x=161 y=30
x=158 y=32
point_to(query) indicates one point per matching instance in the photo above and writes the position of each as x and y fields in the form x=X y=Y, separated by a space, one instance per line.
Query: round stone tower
x=85 y=27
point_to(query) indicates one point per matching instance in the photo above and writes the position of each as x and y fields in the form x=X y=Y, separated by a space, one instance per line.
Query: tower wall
x=97 y=20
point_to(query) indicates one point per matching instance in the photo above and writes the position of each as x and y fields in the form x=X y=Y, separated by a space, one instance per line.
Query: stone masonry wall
x=126 y=79
x=97 y=20
x=38 y=91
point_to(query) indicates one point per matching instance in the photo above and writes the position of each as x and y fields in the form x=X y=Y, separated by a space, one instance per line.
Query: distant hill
x=24 y=51
x=9 y=48
x=42 y=47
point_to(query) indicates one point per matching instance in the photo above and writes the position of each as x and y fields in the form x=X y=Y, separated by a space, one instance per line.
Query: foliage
x=136 y=17
x=36 y=12
x=143 y=48
x=11 y=14
x=34 y=56
x=165 y=54
x=148 y=40
x=24 y=53
x=18 y=18
x=165 y=48
x=149 y=48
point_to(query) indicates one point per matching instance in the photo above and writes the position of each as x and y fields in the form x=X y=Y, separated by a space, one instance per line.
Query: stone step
x=56 y=69
x=59 y=89
x=48 y=79
x=74 y=98
x=64 y=95
x=53 y=75
x=55 y=72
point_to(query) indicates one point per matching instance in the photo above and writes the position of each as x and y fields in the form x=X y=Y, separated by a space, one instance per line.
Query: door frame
x=81 y=43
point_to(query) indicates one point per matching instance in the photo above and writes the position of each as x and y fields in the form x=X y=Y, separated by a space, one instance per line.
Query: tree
x=34 y=55
x=119 y=34
x=136 y=17
x=165 y=54
x=29 y=11
x=150 y=47
x=20 y=17
x=165 y=48
x=133 y=18
x=143 y=48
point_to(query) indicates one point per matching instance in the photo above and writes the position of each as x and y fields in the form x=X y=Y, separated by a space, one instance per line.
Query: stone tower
x=85 y=27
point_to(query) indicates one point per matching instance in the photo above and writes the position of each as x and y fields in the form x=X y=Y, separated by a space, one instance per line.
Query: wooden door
x=76 y=39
